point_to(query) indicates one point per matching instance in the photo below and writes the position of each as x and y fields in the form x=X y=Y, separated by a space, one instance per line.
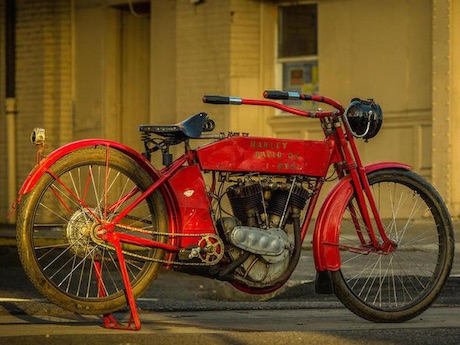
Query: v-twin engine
x=259 y=203
x=259 y=234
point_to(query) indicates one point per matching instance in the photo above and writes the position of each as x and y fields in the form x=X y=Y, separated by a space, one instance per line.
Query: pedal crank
x=208 y=251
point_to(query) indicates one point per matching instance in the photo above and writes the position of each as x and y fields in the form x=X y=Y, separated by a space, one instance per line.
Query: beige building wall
x=219 y=51
x=3 y=141
x=379 y=50
x=43 y=86
x=446 y=104
x=370 y=49
x=163 y=73
x=454 y=24
x=86 y=68
x=112 y=72
x=202 y=57
x=43 y=76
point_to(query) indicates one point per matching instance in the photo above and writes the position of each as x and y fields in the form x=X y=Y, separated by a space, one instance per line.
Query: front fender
x=327 y=227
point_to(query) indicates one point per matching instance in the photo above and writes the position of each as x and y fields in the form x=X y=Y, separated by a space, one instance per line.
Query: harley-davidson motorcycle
x=97 y=221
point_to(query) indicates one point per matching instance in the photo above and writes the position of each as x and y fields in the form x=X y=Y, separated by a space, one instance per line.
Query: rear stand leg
x=134 y=323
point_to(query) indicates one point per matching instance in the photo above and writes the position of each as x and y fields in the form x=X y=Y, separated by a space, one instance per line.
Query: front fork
x=385 y=245
x=365 y=200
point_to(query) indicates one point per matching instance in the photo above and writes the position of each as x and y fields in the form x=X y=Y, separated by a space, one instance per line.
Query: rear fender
x=62 y=151
x=57 y=154
x=327 y=227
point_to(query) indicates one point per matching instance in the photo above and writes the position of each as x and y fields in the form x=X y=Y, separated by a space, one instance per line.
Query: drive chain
x=213 y=246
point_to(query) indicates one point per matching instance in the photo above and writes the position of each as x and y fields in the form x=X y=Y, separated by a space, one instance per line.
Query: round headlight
x=364 y=118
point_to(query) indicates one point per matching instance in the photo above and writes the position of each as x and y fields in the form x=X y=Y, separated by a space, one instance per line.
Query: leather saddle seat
x=189 y=128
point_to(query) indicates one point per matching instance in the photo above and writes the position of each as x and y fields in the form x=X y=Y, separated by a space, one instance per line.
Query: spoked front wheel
x=401 y=284
x=58 y=223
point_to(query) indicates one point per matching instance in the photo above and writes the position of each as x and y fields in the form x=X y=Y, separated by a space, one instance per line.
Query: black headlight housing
x=364 y=118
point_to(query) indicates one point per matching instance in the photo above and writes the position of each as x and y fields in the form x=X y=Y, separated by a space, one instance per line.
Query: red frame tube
x=164 y=177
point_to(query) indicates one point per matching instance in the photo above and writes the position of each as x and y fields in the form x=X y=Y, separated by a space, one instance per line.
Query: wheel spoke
x=63 y=215
x=400 y=280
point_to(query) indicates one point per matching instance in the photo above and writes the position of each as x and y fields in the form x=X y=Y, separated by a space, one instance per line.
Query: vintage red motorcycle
x=97 y=221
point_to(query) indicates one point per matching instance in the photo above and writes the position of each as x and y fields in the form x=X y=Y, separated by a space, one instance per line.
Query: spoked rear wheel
x=396 y=286
x=58 y=221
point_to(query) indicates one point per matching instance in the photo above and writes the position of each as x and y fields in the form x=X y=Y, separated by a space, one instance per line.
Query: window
x=298 y=50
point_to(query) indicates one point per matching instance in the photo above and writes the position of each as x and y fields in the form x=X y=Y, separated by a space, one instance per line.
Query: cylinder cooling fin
x=250 y=199
x=244 y=199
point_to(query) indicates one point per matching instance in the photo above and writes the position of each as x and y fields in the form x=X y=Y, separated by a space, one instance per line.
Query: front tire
x=396 y=286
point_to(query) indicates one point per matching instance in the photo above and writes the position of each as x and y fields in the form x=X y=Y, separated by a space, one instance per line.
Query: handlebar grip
x=216 y=99
x=222 y=100
x=273 y=94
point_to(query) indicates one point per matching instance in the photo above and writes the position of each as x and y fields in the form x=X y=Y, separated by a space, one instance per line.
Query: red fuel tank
x=267 y=155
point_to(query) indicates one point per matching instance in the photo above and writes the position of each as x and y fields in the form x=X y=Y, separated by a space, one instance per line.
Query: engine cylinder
x=299 y=197
x=279 y=198
x=245 y=201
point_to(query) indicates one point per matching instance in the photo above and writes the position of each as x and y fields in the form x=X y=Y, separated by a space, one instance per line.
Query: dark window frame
x=297 y=50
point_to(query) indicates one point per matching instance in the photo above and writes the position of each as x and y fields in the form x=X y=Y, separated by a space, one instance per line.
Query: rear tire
x=57 y=221
x=400 y=285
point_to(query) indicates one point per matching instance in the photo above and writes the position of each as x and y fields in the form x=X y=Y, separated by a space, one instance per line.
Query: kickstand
x=134 y=323
x=111 y=323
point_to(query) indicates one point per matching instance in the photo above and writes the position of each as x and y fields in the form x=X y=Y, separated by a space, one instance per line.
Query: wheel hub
x=80 y=232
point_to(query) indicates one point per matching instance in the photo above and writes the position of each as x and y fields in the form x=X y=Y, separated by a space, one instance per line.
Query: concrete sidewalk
x=233 y=327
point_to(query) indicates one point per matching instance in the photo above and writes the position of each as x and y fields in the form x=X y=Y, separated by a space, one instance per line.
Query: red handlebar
x=281 y=95
x=273 y=94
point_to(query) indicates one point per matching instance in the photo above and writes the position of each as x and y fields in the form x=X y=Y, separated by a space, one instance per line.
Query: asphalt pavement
x=174 y=288
x=180 y=308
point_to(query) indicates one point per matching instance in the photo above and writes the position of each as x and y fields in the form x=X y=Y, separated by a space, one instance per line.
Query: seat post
x=167 y=156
